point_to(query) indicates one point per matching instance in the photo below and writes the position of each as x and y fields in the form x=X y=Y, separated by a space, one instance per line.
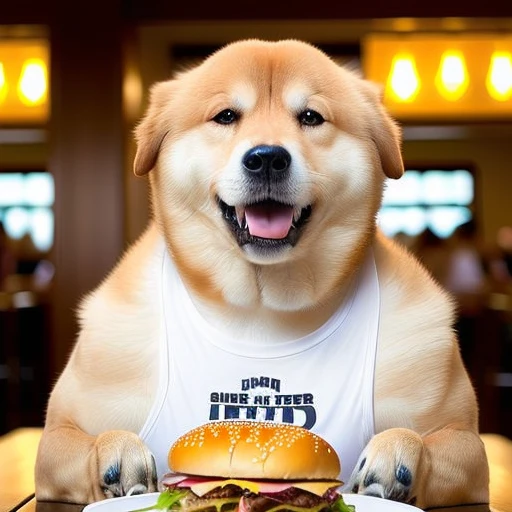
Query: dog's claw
x=388 y=465
x=403 y=475
x=137 y=472
x=137 y=489
x=112 y=475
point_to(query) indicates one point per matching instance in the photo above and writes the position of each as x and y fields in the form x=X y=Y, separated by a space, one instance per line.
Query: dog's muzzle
x=269 y=222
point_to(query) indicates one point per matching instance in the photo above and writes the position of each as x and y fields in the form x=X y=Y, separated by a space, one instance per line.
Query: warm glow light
x=32 y=85
x=499 y=78
x=3 y=83
x=461 y=76
x=452 y=78
x=24 y=71
x=403 y=81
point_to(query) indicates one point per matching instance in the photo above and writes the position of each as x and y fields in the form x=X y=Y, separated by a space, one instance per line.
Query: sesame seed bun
x=254 y=450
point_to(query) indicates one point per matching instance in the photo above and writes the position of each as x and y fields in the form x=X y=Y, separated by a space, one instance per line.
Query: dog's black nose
x=271 y=162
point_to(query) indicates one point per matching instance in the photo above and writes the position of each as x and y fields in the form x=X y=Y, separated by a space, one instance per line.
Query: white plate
x=362 y=504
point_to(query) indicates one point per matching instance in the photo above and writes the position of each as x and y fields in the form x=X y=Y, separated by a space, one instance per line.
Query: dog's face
x=267 y=157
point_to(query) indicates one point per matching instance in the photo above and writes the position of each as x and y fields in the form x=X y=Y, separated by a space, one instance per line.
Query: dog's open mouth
x=267 y=223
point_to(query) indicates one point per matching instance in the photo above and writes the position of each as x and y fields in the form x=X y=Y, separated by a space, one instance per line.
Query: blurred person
x=500 y=264
x=7 y=258
x=43 y=275
x=433 y=251
x=407 y=241
x=466 y=277
x=505 y=243
x=457 y=265
x=467 y=280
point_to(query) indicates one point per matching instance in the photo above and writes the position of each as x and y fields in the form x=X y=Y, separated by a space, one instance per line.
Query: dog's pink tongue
x=269 y=220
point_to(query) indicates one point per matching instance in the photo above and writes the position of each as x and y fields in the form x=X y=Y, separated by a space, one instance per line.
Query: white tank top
x=323 y=381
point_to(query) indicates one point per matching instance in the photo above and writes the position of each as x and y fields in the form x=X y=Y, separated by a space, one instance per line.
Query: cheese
x=205 y=487
x=316 y=487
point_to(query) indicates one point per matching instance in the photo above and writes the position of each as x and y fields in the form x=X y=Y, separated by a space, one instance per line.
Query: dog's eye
x=310 y=118
x=226 y=116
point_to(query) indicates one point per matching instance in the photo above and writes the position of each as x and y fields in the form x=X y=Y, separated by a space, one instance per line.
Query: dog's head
x=267 y=160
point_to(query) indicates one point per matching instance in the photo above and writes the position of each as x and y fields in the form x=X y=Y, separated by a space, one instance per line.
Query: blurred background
x=73 y=82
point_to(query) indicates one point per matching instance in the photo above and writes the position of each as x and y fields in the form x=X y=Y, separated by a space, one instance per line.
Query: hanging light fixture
x=32 y=85
x=403 y=82
x=499 y=77
x=3 y=83
x=458 y=76
x=24 y=81
x=452 y=77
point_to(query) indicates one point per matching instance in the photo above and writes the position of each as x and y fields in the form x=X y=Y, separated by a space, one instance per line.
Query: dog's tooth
x=240 y=216
x=297 y=212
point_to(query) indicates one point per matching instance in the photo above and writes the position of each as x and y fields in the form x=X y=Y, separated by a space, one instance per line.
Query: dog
x=267 y=163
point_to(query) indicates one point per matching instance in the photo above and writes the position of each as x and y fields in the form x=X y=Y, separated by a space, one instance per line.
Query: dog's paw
x=124 y=464
x=390 y=466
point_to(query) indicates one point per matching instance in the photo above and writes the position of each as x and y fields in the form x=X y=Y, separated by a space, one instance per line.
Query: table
x=32 y=506
x=18 y=452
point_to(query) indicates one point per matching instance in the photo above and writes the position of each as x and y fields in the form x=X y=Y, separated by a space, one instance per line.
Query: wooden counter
x=18 y=451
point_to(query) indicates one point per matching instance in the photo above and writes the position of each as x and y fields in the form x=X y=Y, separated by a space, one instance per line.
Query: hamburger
x=251 y=466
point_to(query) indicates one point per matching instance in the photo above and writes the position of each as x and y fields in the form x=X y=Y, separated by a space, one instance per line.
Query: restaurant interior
x=74 y=81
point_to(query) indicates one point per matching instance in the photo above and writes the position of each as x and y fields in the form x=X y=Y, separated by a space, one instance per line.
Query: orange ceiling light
x=24 y=81
x=403 y=82
x=459 y=76
x=452 y=76
x=499 y=76
x=3 y=84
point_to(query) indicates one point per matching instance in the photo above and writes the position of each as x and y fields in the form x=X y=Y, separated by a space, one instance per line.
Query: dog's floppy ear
x=151 y=131
x=387 y=136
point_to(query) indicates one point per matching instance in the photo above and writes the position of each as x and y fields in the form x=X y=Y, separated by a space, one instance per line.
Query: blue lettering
x=275 y=384
x=214 y=412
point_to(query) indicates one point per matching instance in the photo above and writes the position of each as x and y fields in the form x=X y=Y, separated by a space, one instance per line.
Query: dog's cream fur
x=425 y=408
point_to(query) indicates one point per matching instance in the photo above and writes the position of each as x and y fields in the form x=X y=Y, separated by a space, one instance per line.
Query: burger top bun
x=255 y=450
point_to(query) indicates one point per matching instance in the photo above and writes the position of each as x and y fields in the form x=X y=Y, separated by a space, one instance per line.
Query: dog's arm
x=426 y=411
x=92 y=419
x=78 y=468
x=456 y=469
x=103 y=396
x=64 y=454
x=436 y=401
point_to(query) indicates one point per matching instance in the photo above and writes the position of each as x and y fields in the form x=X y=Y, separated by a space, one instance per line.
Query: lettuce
x=165 y=501
x=340 y=506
